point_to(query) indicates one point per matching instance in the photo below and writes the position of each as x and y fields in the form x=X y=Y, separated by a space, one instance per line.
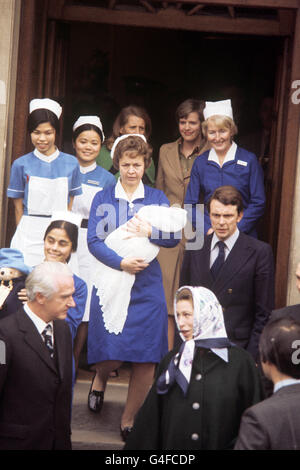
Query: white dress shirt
x=229 y=244
x=38 y=322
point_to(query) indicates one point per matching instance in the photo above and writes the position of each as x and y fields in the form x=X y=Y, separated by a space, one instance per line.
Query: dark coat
x=244 y=286
x=12 y=303
x=208 y=417
x=290 y=311
x=35 y=390
x=272 y=424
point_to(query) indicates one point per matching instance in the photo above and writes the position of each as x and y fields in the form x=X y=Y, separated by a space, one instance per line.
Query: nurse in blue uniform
x=226 y=164
x=143 y=340
x=60 y=241
x=88 y=137
x=42 y=181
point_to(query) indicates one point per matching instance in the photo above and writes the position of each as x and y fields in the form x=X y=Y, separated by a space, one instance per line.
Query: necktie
x=219 y=260
x=47 y=337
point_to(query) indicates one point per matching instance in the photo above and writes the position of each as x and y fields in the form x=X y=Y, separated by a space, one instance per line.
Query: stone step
x=93 y=431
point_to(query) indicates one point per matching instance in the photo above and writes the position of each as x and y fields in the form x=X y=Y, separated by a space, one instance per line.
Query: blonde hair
x=220 y=121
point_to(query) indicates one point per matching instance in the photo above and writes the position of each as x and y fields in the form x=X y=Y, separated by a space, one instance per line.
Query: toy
x=13 y=273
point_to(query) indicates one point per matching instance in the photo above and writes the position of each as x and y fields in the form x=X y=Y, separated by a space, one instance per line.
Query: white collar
x=285 y=383
x=38 y=322
x=229 y=242
x=230 y=155
x=221 y=352
x=45 y=158
x=120 y=193
x=88 y=169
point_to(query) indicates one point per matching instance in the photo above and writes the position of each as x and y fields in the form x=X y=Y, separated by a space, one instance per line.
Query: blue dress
x=144 y=336
x=244 y=173
x=75 y=314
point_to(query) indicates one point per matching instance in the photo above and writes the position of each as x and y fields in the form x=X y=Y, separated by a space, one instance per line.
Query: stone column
x=293 y=296
x=10 y=11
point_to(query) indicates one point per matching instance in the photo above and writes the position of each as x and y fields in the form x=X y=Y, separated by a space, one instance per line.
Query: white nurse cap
x=45 y=103
x=94 y=120
x=220 y=108
x=68 y=216
x=122 y=137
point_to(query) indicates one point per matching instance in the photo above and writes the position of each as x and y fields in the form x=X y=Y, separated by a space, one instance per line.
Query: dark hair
x=276 y=345
x=136 y=146
x=87 y=127
x=227 y=195
x=122 y=119
x=190 y=106
x=39 y=116
x=184 y=294
x=71 y=230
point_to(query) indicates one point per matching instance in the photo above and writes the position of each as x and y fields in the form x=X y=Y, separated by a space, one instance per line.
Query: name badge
x=93 y=182
x=241 y=162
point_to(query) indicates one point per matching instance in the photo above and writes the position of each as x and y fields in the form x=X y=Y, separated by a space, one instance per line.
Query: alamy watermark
x=112 y=217
x=2 y=352
x=296 y=354
x=296 y=93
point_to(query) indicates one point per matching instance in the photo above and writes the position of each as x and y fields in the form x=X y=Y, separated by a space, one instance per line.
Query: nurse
x=226 y=164
x=130 y=120
x=141 y=338
x=88 y=137
x=42 y=181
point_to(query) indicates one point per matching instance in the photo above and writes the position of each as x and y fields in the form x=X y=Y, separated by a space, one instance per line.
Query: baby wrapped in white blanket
x=114 y=286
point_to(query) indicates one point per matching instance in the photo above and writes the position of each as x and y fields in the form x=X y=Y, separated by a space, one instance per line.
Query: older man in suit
x=36 y=370
x=236 y=267
x=274 y=424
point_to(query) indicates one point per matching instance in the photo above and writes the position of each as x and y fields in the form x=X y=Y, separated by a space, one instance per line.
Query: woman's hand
x=137 y=227
x=22 y=295
x=133 y=265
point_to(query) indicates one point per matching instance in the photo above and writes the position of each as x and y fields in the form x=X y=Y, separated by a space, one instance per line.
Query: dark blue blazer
x=244 y=286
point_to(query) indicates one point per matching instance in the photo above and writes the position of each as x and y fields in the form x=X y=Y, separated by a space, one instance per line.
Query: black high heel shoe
x=125 y=432
x=95 y=399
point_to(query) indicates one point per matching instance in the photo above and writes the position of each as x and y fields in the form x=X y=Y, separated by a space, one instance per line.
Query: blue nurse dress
x=45 y=183
x=75 y=314
x=243 y=172
x=144 y=336
x=93 y=179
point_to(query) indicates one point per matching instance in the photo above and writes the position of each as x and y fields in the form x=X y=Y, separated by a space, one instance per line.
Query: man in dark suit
x=236 y=267
x=291 y=310
x=36 y=370
x=274 y=424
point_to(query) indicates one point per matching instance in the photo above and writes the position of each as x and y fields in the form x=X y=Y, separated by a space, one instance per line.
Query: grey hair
x=43 y=278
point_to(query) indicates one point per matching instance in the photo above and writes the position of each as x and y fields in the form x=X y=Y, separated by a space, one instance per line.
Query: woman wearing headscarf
x=226 y=164
x=202 y=387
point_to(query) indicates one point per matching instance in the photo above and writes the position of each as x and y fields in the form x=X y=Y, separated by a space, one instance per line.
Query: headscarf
x=208 y=332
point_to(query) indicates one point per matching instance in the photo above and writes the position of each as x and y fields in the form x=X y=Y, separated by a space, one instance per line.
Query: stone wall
x=9 y=39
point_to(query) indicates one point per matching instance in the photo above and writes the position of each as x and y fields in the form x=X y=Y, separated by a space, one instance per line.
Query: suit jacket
x=35 y=390
x=244 y=286
x=290 y=311
x=272 y=424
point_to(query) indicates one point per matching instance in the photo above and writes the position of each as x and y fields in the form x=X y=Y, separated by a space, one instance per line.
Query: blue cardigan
x=244 y=173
